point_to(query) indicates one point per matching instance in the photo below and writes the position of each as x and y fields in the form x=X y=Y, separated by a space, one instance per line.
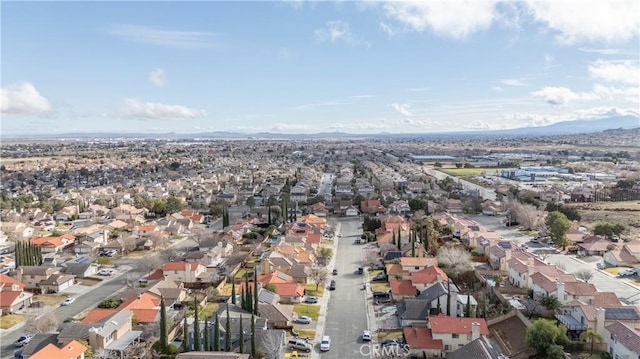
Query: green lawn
x=311 y=290
x=204 y=312
x=614 y=270
x=374 y=273
x=242 y=272
x=310 y=310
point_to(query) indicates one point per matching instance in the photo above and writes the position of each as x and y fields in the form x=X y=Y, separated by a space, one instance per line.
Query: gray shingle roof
x=628 y=337
x=481 y=348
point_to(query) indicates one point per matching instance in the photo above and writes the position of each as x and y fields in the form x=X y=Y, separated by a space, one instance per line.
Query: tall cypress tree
x=393 y=239
x=448 y=298
x=207 y=344
x=241 y=332
x=253 y=336
x=468 y=308
x=412 y=234
x=269 y=214
x=196 y=326
x=164 y=338
x=399 y=240
x=185 y=335
x=242 y=298
x=233 y=291
x=255 y=291
x=227 y=332
x=216 y=334
x=439 y=306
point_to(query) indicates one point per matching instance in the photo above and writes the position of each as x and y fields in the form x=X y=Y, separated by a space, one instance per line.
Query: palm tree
x=591 y=336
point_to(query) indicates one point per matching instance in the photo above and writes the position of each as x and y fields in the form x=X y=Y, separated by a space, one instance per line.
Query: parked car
x=377 y=266
x=334 y=272
x=68 y=301
x=325 y=344
x=359 y=270
x=366 y=336
x=311 y=300
x=627 y=272
x=299 y=344
x=303 y=319
x=380 y=294
x=379 y=278
x=332 y=285
x=601 y=265
x=23 y=340
x=106 y=271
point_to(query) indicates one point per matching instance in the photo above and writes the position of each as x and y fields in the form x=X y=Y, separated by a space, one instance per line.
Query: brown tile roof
x=449 y=325
x=428 y=275
x=289 y=289
x=393 y=269
x=421 y=338
x=71 y=350
x=418 y=261
x=10 y=281
x=580 y=288
x=97 y=314
x=402 y=287
x=627 y=336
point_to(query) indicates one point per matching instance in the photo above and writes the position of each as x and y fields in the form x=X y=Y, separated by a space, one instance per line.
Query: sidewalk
x=324 y=301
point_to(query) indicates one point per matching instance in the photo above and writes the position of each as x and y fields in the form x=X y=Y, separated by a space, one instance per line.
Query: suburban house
x=402 y=288
x=71 y=350
x=577 y=318
x=53 y=244
x=415 y=264
x=44 y=278
x=594 y=246
x=182 y=271
x=427 y=277
x=521 y=267
x=456 y=332
x=421 y=342
x=627 y=256
x=114 y=332
x=623 y=340
x=12 y=295
x=481 y=348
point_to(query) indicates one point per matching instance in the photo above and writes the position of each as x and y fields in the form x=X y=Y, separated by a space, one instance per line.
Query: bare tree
x=318 y=275
x=584 y=274
x=128 y=243
x=102 y=354
x=42 y=323
x=386 y=247
x=169 y=255
x=370 y=257
x=158 y=240
x=149 y=264
x=272 y=344
x=454 y=260
x=199 y=234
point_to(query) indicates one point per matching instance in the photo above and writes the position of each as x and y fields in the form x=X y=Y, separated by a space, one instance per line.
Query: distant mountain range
x=560 y=128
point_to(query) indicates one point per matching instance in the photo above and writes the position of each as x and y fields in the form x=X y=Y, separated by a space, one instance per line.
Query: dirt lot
x=49 y=299
x=627 y=213
x=89 y=282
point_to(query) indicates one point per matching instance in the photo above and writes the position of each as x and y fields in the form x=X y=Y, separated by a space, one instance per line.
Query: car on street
x=106 y=271
x=339 y=234
x=366 y=336
x=627 y=272
x=332 y=285
x=325 y=344
x=303 y=319
x=23 y=340
x=334 y=272
x=359 y=270
x=68 y=301
x=311 y=300
x=600 y=265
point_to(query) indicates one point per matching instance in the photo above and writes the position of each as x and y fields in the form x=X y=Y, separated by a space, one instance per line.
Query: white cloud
x=562 y=95
x=534 y=119
x=134 y=108
x=402 y=108
x=23 y=99
x=497 y=88
x=452 y=18
x=631 y=94
x=158 y=78
x=599 y=21
x=338 y=31
x=624 y=71
x=600 y=51
x=169 y=38
x=387 y=29
x=513 y=82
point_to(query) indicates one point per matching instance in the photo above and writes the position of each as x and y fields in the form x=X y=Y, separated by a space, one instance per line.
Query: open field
x=627 y=213
x=8 y=321
x=49 y=299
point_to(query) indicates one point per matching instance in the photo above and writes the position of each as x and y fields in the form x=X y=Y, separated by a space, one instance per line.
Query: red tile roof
x=9 y=281
x=421 y=338
x=97 y=314
x=289 y=289
x=428 y=275
x=7 y=298
x=71 y=350
x=450 y=325
x=402 y=287
x=313 y=238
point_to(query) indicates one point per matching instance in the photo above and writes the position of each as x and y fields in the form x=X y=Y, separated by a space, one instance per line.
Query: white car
x=68 y=301
x=366 y=336
x=325 y=344
x=23 y=340
x=106 y=271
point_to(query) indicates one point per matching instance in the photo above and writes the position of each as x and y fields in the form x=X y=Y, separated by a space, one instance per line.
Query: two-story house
x=71 y=350
x=53 y=244
x=456 y=332
x=623 y=340
x=46 y=279
x=182 y=271
x=115 y=328
x=12 y=295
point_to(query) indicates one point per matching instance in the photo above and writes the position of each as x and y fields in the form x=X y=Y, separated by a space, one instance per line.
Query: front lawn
x=49 y=299
x=614 y=270
x=243 y=272
x=393 y=334
x=375 y=272
x=311 y=290
x=384 y=287
x=311 y=334
x=8 y=321
x=310 y=310
x=204 y=312
x=88 y=282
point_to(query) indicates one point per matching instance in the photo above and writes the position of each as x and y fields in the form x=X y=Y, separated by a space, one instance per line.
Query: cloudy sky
x=300 y=67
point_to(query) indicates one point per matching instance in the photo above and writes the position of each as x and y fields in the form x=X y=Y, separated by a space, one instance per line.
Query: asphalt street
x=346 y=313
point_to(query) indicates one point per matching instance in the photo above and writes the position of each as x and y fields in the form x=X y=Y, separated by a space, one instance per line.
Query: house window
x=455 y=336
x=447 y=347
x=416 y=268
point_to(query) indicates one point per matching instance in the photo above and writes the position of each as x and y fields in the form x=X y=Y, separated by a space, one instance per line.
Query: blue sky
x=318 y=66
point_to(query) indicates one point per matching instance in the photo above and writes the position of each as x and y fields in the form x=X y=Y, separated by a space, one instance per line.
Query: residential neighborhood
x=283 y=250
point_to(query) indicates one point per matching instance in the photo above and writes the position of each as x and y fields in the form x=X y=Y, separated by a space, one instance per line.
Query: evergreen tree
x=412 y=235
x=255 y=292
x=269 y=214
x=448 y=298
x=207 y=345
x=399 y=240
x=242 y=299
x=253 y=337
x=185 y=335
x=468 y=307
x=164 y=337
x=216 y=334
x=249 y=301
x=393 y=239
x=233 y=291
x=227 y=332
x=439 y=306
x=241 y=332
x=196 y=326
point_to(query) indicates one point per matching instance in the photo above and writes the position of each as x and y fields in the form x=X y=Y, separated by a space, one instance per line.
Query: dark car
x=335 y=272
x=332 y=285
x=360 y=270
x=379 y=278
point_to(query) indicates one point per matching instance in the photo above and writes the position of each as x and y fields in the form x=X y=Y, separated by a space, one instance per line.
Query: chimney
x=600 y=318
x=530 y=261
x=475 y=330
x=507 y=255
x=139 y=296
x=560 y=292
x=530 y=271
x=439 y=277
